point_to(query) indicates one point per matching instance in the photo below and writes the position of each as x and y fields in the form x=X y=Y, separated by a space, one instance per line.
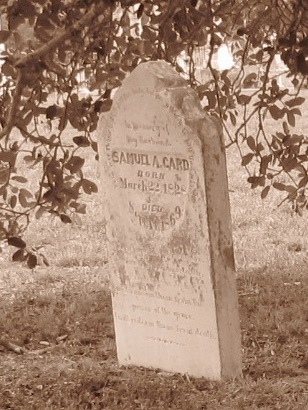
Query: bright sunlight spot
x=224 y=58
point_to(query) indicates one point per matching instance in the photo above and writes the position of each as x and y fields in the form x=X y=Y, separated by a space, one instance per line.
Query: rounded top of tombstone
x=154 y=75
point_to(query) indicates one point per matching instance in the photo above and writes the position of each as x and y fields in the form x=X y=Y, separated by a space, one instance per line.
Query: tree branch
x=15 y=103
x=22 y=62
x=95 y=12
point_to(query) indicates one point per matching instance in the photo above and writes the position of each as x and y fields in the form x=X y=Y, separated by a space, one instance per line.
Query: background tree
x=49 y=44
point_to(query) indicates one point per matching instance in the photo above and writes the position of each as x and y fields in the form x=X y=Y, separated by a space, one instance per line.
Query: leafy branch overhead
x=52 y=47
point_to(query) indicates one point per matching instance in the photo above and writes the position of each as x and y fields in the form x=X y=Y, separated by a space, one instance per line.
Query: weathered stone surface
x=168 y=226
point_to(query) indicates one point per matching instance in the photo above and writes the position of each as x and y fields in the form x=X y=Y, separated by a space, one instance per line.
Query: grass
x=62 y=315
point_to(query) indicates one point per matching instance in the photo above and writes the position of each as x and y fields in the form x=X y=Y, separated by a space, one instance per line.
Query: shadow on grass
x=77 y=368
x=274 y=320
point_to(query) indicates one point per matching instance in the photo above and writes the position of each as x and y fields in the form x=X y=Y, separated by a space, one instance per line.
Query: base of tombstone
x=166 y=334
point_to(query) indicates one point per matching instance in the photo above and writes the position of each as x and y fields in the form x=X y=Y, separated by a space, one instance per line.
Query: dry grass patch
x=64 y=321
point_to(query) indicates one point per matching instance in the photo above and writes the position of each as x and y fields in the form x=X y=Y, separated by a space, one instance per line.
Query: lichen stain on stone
x=154 y=267
x=124 y=279
x=143 y=286
x=180 y=244
x=180 y=278
x=228 y=256
x=225 y=249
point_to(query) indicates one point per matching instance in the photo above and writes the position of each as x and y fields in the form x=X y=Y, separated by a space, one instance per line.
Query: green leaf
x=19 y=256
x=212 y=99
x=20 y=179
x=106 y=105
x=289 y=163
x=52 y=112
x=251 y=143
x=79 y=208
x=283 y=187
x=49 y=195
x=232 y=118
x=140 y=11
x=44 y=259
x=260 y=147
x=4 y=35
x=22 y=197
x=296 y=111
x=247 y=159
x=285 y=42
x=291 y=118
x=293 y=140
x=243 y=99
x=97 y=106
x=256 y=181
x=295 y=101
x=13 y=201
x=303 y=182
x=292 y=195
x=32 y=261
x=250 y=79
x=74 y=164
x=28 y=158
x=65 y=219
x=94 y=146
x=265 y=191
x=264 y=163
x=279 y=186
x=295 y=82
x=81 y=141
x=8 y=156
x=285 y=128
x=3 y=192
x=242 y=31
x=8 y=70
x=17 y=242
x=40 y=212
x=89 y=187
x=276 y=112
x=107 y=93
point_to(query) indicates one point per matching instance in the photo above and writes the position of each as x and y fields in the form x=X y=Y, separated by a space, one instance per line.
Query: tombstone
x=164 y=187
